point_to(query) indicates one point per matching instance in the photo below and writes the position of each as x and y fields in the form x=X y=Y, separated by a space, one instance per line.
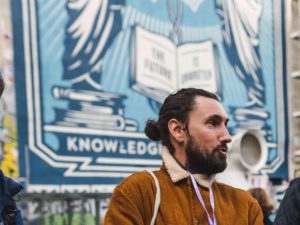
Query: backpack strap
x=157 y=197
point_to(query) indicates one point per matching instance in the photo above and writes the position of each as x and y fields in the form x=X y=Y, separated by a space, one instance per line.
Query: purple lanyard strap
x=211 y=221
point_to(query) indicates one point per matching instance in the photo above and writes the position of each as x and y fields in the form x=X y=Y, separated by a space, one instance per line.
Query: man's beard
x=200 y=160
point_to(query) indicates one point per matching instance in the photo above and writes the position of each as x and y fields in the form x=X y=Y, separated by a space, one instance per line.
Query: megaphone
x=252 y=149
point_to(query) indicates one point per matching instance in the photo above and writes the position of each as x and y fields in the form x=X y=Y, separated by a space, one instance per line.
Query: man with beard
x=192 y=127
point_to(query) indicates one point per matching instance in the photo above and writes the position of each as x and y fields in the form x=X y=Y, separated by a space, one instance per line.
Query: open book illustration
x=159 y=67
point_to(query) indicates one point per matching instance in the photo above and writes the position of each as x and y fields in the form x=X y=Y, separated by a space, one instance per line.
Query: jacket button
x=197 y=221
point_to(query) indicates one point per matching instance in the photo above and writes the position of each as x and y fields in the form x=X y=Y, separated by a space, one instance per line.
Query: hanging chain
x=176 y=18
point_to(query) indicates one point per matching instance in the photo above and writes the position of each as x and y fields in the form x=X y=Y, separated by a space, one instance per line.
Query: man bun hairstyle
x=152 y=130
x=177 y=106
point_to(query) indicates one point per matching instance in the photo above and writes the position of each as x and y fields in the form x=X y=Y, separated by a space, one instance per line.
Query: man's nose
x=226 y=137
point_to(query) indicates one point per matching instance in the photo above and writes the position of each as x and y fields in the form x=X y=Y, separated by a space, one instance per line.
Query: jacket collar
x=177 y=173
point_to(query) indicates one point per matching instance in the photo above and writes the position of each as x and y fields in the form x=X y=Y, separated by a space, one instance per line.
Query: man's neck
x=180 y=156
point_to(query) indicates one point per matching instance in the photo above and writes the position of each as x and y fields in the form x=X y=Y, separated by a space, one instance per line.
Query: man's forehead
x=210 y=107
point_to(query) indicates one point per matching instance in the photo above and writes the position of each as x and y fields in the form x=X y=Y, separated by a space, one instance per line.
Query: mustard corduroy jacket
x=132 y=202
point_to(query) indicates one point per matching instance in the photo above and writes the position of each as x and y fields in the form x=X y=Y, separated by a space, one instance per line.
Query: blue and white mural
x=89 y=73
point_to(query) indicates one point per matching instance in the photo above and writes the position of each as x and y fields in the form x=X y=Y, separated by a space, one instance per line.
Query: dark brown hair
x=176 y=106
x=1 y=84
x=263 y=199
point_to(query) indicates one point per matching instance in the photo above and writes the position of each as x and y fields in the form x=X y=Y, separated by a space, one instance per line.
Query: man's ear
x=176 y=130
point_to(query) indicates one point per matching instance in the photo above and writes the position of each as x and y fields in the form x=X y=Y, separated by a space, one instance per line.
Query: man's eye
x=213 y=122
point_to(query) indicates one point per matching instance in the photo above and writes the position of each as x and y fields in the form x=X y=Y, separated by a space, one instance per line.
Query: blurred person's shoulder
x=295 y=182
x=293 y=189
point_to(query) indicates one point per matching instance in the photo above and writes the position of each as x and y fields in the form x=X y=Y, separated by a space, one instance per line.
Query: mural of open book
x=159 y=66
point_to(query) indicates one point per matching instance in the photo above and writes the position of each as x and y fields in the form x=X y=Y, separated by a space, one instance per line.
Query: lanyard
x=211 y=199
